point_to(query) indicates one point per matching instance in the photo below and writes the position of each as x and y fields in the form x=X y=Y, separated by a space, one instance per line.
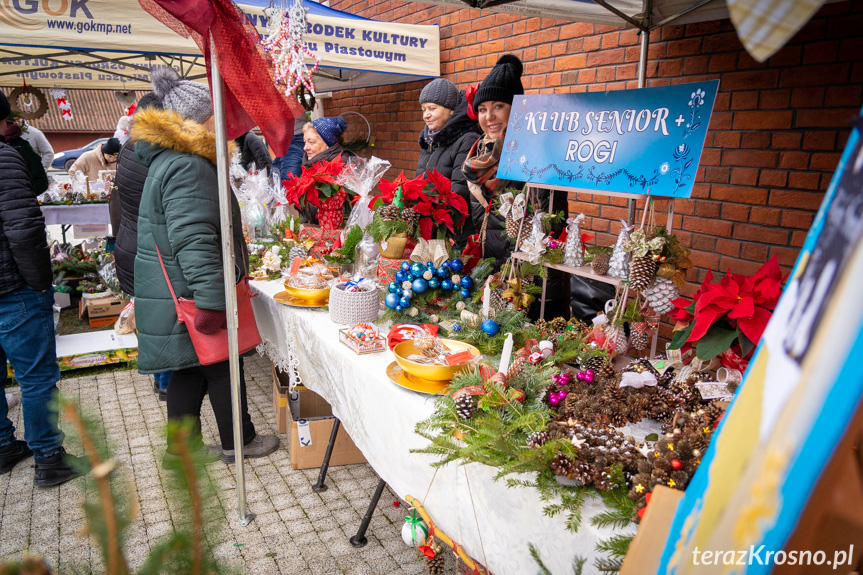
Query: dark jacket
x=446 y=152
x=253 y=150
x=179 y=213
x=310 y=213
x=129 y=184
x=33 y=162
x=24 y=255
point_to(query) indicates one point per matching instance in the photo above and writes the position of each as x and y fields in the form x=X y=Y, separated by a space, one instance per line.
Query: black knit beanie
x=112 y=146
x=502 y=83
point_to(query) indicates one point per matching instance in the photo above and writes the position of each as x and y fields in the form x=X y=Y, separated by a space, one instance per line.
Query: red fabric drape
x=251 y=95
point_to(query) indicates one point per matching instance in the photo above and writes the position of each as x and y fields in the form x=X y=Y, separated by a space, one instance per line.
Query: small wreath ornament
x=29 y=102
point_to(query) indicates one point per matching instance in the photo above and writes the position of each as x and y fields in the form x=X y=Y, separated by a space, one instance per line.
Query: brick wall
x=776 y=134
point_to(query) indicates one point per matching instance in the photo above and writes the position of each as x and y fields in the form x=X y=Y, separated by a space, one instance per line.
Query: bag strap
x=168 y=281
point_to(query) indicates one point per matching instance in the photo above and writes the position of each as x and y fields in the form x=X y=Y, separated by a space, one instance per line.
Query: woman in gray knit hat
x=446 y=140
x=179 y=224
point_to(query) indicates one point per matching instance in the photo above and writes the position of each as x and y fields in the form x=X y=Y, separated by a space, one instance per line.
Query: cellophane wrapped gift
x=79 y=187
x=324 y=240
x=257 y=200
x=362 y=176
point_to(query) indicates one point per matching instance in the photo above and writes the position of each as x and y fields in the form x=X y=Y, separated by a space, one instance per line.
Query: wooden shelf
x=582 y=271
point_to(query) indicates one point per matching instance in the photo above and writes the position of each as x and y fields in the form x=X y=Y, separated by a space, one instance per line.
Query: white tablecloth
x=76 y=214
x=380 y=418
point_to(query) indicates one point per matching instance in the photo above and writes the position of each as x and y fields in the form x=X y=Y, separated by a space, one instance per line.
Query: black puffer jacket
x=446 y=152
x=253 y=150
x=130 y=184
x=24 y=256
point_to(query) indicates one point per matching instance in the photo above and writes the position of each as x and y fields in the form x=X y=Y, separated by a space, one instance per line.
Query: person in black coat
x=253 y=150
x=33 y=160
x=446 y=140
x=27 y=324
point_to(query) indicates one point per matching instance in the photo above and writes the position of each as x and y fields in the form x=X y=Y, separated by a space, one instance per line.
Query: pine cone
x=512 y=226
x=600 y=263
x=537 y=438
x=411 y=215
x=557 y=325
x=541 y=325
x=562 y=465
x=584 y=472
x=389 y=213
x=465 y=406
x=435 y=565
x=516 y=368
x=639 y=340
x=297 y=252
x=660 y=295
x=602 y=479
x=641 y=272
x=497 y=302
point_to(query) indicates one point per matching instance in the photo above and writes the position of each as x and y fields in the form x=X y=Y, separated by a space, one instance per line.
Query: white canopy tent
x=111 y=44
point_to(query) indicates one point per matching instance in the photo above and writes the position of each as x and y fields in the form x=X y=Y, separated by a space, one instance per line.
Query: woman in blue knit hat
x=321 y=137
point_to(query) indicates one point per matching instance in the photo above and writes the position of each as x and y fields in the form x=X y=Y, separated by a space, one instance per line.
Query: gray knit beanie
x=441 y=92
x=189 y=99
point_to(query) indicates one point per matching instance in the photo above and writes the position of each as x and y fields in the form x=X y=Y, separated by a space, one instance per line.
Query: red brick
x=576 y=30
x=735 y=212
x=669 y=68
x=794 y=160
x=819 y=140
x=791 y=219
x=721 y=121
x=835 y=118
x=744 y=176
x=749 y=158
x=726 y=139
x=798 y=238
x=793 y=199
x=846 y=96
x=728 y=247
x=751 y=251
x=776 y=120
x=708 y=209
x=820 y=75
x=570 y=62
x=727 y=42
x=785 y=256
x=705 y=259
x=707 y=226
x=687 y=47
x=605 y=58
x=773 y=178
x=787 y=141
x=807 y=98
x=803 y=180
x=744 y=101
x=738 y=266
x=754 y=80
x=717 y=175
x=703 y=243
x=787 y=56
x=723 y=63
x=820 y=52
x=825 y=162
x=696 y=65
x=756 y=140
x=775 y=99
x=752 y=233
x=764 y=216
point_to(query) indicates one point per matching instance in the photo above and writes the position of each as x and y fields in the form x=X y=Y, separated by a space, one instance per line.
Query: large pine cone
x=411 y=215
x=297 y=252
x=639 y=340
x=600 y=263
x=641 y=272
x=516 y=368
x=389 y=213
x=660 y=295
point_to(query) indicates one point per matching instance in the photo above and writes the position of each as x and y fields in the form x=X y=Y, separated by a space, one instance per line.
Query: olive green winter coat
x=179 y=212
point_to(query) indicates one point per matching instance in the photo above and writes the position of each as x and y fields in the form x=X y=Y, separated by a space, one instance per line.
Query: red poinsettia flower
x=441 y=183
x=313 y=184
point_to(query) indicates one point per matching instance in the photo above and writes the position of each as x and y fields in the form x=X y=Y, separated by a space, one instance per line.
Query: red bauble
x=676 y=464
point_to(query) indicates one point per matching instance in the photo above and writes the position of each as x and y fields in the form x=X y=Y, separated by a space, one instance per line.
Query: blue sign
x=626 y=141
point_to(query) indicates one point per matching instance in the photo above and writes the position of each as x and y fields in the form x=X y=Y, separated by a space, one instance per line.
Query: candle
x=486 y=299
x=506 y=354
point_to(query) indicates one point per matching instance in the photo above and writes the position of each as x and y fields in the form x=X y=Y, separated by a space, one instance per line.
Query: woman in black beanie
x=492 y=103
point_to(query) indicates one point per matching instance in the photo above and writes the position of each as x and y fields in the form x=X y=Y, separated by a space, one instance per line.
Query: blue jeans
x=27 y=341
x=290 y=162
x=162 y=379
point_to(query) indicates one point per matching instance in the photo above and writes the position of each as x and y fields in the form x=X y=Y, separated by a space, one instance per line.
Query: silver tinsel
x=618 y=267
x=660 y=295
x=573 y=252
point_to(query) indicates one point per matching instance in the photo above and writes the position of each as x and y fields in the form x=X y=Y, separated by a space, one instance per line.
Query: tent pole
x=227 y=230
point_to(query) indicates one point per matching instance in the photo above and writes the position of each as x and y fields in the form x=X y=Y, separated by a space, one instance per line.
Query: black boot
x=12 y=454
x=57 y=469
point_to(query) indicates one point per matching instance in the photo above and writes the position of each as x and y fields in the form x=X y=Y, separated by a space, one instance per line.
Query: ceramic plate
x=398 y=376
x=287 y=299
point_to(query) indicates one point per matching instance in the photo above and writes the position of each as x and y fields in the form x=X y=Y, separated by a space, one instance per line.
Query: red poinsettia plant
x=729 y=315
x=432 y=196
x=319 y=186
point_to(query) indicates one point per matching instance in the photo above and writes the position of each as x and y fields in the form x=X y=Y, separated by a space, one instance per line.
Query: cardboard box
x=315 y=416
x=280 y=406
x=101 y=311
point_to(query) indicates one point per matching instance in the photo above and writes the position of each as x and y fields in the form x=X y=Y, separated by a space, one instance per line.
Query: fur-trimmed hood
x=168 y=129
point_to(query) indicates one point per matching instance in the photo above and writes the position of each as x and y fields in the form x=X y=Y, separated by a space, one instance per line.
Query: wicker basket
x=349 y=308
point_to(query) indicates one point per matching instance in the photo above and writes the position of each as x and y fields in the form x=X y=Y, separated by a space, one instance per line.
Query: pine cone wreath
x=465 y=406
x=297 y=252
x=537 y=438
x=562 y=465
x=411 y=215
x=389 y=213
x=641 y=272
x=516 y=368
x=660 y=295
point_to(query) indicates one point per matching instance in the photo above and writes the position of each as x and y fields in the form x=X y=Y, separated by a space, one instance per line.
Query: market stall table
x=380 y=418
x=76 y=214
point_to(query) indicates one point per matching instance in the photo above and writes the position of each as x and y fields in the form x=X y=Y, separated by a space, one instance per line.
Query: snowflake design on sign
x=287 y=48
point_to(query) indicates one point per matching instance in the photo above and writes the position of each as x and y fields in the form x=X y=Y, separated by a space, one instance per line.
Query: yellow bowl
x=432 y=372
x=315 y=295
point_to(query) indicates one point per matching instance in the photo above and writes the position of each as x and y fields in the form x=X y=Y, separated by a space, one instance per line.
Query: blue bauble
x=420 y=285
x=490 y=327
x=430 y=265
x=446 y=284
x=393 y=287
x=401 y=277
x=399 y=308
x=467 y=282
x=456 y=265
x=456 y=327
x=442 y=272
x=405 y=266
x=445 y=263
x=391 y=300
x=417 y=270
x=434 y=283
x=407 y=293
x=405 y=301
x=465 y=293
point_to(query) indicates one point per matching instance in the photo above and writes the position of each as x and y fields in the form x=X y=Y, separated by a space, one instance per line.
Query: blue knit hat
x=330 y=128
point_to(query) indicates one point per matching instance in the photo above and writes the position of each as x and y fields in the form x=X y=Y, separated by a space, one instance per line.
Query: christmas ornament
x=446 y=284
x=286 y=45
x=660 y=295
x=573 y=250
x=641 y=272
x=393 y=287
x=417 y=270
x=298 y=252
x=490 y=327
x=456 y=265
x=512 y=208
x=405 y=266
x=618 y=267
x=414 y=530
x=391 y=300
x=600 y=263
x=29 y=102
x=419 y=285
